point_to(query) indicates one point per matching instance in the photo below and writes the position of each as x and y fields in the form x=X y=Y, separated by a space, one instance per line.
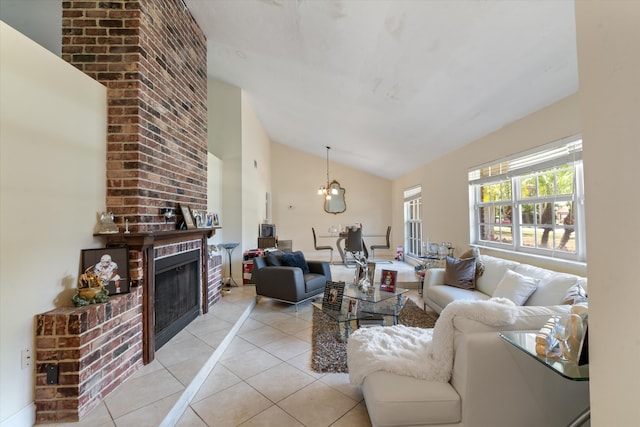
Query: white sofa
x=493 y=384
x=551 y=288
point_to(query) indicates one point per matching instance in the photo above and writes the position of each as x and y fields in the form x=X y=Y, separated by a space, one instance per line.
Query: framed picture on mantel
x=187 y=217
x=111 y=265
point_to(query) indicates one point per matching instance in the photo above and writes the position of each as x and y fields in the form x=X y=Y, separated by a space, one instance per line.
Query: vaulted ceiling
x=390 y=85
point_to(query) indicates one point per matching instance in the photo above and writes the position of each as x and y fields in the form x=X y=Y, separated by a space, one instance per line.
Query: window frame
x=412 y=208
x=553 y=157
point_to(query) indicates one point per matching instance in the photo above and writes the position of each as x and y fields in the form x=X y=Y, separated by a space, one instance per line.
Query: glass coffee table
x=372 y=308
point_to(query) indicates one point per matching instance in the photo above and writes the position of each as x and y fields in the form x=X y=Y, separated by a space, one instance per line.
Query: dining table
x=340 y=238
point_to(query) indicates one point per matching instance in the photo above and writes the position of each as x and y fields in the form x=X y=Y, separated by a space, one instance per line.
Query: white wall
x=52 y=185
x=296 y=206
x=239 y=142
x=214 y=192
x=445 y=183
x=256 y=174
x=608 y=37
x=225 y=142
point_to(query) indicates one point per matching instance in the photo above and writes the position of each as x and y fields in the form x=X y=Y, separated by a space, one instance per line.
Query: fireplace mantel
x=146 y=243
x=144 y=240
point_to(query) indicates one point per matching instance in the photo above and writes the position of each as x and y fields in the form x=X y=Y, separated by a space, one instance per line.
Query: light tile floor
x=262 y=376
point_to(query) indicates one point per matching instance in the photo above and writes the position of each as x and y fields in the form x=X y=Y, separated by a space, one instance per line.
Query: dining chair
x=354 y=243
x=385 y=246
x=322 y=248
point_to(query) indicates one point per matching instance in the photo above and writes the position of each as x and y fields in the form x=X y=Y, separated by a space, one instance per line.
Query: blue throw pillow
x=295 y=259
x=273 y=260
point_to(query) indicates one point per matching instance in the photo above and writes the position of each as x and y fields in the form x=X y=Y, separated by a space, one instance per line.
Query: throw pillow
x=516 y=287
x=460 y=273
x=475 y=253
x=574 y=295
x=295 y=259
x=273 y=260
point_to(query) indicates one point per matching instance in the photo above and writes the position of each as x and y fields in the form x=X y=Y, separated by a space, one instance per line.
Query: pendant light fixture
x=326 y=190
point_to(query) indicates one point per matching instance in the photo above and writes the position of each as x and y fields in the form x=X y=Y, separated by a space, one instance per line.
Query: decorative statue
x=90 y=289
x=362 y=279
x=107 y=226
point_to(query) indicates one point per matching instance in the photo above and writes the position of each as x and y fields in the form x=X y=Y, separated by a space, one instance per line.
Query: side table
x=428 y=262
x=525 y=341
x=229 y=247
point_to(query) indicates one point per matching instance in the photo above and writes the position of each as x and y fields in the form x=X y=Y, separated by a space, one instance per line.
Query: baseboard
x=26 y=417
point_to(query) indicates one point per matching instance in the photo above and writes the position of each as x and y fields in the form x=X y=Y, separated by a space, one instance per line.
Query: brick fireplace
x=151 y=56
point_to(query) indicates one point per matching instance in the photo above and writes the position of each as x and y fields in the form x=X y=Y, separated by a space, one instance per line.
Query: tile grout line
x=178 y=409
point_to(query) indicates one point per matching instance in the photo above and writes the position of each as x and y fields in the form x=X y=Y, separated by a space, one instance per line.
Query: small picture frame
x=214 y=220
x=333 y=293
x=388 y=280
x=352 y=309
x=111 y=265
x=209 y=220
x=188 y=218
x=200 y=218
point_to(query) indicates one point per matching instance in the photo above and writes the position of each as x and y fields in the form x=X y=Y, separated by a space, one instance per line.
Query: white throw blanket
x=416 y=352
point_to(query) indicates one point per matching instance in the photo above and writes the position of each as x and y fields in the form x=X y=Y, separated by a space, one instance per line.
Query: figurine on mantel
x=107 y=226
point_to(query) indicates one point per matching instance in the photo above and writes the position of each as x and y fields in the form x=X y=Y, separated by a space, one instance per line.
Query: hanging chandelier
x=327 y=190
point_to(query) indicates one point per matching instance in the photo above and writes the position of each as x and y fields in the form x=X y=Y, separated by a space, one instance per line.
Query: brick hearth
x=93 y=348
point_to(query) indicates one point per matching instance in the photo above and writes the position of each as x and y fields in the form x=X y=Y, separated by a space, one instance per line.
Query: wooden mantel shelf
x=143 y=240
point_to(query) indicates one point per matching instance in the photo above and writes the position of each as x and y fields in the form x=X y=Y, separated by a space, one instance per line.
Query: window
x=532 y=202
x=413 y=221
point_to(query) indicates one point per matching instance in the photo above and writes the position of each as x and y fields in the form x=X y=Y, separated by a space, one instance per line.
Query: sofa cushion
x=475 y=253
x=494 y=269
x=295 y=259
x=552 y=286
x=442 y=295
x=516 y=287
x=460 y=273
x=394 y=400
x=575 y=294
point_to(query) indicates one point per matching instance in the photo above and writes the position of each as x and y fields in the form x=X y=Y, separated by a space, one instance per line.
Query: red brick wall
x=214 y=278
x=151 y=55
x=95 y=348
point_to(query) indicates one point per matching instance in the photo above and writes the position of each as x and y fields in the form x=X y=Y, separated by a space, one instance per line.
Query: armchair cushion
x=295 y=259
x=273 y=260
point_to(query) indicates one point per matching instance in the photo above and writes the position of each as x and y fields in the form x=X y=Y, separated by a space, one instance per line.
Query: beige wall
x=240 y=148
x=214 y=193
x=224 y=133
x=608 y=37
x=445 y=186
x=256 y=175
x=53 y=184
x=296 y=206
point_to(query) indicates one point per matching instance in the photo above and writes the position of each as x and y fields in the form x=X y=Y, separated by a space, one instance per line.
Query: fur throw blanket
x=421 y=353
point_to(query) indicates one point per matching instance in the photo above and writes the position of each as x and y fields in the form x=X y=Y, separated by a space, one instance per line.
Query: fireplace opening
x=177 y=294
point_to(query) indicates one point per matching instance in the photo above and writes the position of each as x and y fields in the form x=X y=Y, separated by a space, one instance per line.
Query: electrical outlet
x=27 y=358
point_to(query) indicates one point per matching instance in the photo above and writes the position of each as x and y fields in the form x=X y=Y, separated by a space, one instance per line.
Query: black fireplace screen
x=177 y=294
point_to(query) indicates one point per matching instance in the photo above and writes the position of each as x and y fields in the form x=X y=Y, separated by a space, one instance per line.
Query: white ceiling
x=390 y=85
